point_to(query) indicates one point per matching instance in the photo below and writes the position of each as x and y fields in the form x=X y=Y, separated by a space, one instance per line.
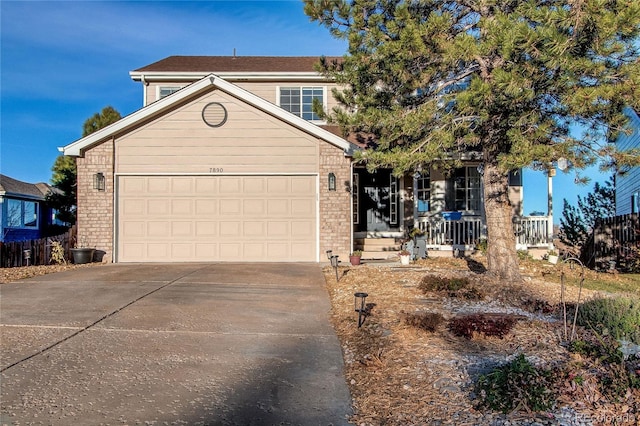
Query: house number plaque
x=215 y=170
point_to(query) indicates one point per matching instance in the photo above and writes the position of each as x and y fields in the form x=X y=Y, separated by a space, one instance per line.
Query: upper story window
x=299 y=101
x=466 y=182
x=22 y=214
x=164 y=91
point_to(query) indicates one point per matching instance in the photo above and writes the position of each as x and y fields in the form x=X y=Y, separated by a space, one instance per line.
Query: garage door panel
x=217 y=218
x=300 y=230
x=158 y=229
x=158 y=185
x=230 y=207
x=253 y=229
x=206 y=186
x=230 y=229
x=302 y=208
x=159 y=207
x=230 y=186
x=206 y=251
x=278 y=185
x=181 y=229
x=206 y=229
x=278 y=207
x=206 y=207
x=181 y=208
x=182 y=251
x=133 y=229
x=277 y=229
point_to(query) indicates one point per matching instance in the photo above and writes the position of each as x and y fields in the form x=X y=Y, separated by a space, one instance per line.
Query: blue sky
x=63 y=61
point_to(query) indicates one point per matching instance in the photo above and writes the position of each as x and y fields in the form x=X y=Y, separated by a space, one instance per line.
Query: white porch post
x=415 y=199
x=550 y=174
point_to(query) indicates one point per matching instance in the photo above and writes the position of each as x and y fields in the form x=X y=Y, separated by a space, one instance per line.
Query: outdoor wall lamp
x=98 y=181
x=332 y=182
x=360 y=306
x=334 y=263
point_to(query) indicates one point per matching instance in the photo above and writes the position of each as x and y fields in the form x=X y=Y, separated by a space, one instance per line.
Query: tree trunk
x=502 y=256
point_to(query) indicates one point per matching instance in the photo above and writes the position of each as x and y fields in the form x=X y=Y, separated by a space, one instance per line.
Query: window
x=22 y=214
x=299 y=101
x=423 y=192
x=163 y=92
x=466 y=181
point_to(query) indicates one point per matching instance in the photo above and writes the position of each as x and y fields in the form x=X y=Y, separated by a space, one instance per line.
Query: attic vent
x=214 y=114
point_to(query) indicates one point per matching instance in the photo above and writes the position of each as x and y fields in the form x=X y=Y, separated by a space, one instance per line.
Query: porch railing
x=530 y=231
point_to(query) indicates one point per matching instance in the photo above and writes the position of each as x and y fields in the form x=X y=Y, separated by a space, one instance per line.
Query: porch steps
x=377 y=248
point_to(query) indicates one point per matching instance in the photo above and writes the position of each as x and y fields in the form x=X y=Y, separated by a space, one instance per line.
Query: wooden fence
x=14 y=254
x=614 y=242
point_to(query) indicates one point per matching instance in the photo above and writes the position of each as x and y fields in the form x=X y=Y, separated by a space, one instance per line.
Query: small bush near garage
x=486 y=324
x=428 y=321
x=618 y=317
x=517 y=385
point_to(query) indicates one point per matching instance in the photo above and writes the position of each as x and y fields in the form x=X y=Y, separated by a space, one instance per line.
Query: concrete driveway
x=246 y=344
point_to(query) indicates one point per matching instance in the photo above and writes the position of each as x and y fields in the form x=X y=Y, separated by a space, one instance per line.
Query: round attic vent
x=214 y=114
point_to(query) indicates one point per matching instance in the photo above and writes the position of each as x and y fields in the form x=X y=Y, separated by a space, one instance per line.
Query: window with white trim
x=299 y=101
x=393 y=199
x=22 y=214
x=163 y=91
x=423 y=192
x=466 y=182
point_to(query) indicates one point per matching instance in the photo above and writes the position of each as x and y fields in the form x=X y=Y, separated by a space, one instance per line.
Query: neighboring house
x=24 y=214
x=227 y=161
x=628 y=183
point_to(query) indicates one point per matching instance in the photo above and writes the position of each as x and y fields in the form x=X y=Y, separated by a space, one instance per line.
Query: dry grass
x=400 y=374
x=8 y=275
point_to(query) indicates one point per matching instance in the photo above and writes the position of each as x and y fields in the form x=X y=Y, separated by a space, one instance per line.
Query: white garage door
x=216 y=218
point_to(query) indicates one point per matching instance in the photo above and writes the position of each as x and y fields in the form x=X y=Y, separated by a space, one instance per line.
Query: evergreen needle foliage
x=503 y=82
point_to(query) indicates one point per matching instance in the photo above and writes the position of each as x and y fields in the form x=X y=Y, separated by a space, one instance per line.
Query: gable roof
x=18 y=188
x=191 y=91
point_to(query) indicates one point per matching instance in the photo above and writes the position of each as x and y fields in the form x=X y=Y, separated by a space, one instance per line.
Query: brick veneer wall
x=335 y=206
x=95 y=208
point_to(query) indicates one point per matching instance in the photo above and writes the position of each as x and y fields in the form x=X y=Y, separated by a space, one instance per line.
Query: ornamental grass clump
x=453 y=287
x=428 y=321
x=517 y=385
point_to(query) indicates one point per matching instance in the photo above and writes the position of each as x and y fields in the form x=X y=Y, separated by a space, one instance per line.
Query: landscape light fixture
x=360 y=307
x=98 y=181
x=329 y=254
x=332 y=182
x=334 y=263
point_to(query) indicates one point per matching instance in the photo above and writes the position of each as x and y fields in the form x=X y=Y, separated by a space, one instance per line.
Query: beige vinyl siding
x=250 y=141
x=267 y=90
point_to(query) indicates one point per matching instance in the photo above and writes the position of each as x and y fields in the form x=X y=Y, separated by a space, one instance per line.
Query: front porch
x=447 y=212
x=446 y=237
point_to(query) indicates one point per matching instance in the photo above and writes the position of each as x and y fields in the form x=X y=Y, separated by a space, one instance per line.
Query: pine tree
x=503 y=82
x=577 y=223
x=64 y=178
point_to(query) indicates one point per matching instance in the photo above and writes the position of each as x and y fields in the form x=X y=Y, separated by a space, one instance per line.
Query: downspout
x=144 y=90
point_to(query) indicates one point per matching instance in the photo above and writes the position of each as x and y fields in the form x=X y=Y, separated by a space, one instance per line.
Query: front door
x=376 y=205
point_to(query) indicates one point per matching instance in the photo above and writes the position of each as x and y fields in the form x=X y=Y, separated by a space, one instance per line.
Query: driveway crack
x=98 y=321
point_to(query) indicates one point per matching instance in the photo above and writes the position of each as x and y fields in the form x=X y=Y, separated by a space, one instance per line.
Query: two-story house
x=226 y=161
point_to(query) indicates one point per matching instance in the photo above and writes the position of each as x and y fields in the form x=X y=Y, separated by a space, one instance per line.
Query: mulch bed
x=399 y=374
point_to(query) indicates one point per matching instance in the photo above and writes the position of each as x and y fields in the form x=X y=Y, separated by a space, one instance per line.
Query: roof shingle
x=234 y=64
